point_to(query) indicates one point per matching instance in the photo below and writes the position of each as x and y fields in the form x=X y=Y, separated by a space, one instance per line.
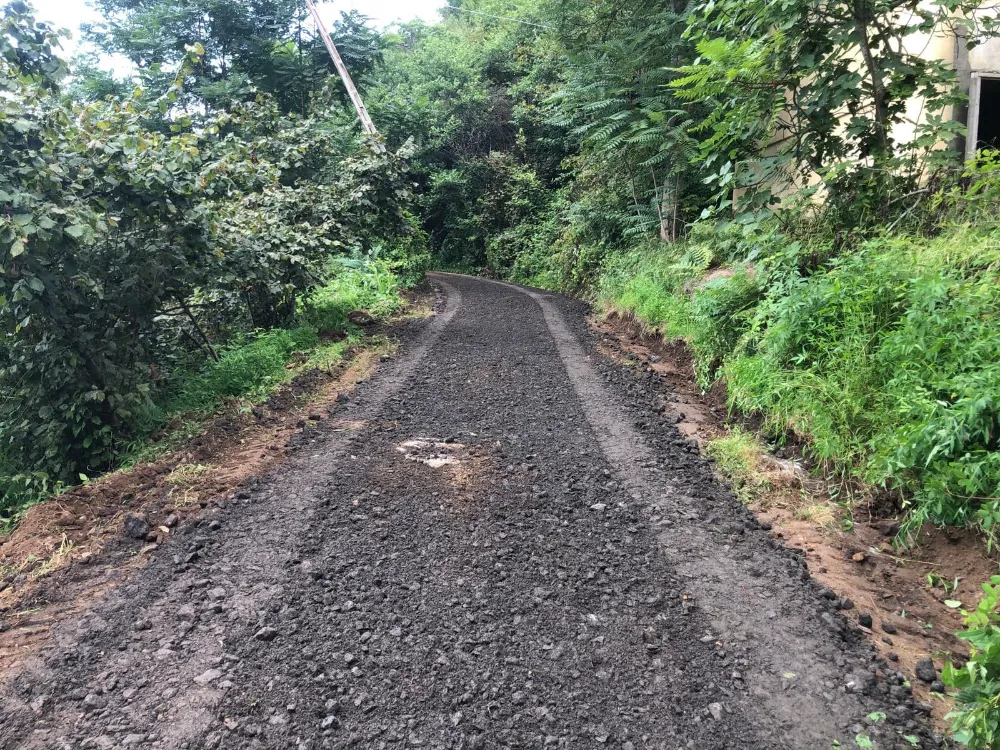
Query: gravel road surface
x=496 y=542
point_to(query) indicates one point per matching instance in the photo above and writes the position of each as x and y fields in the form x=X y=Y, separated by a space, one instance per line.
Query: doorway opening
x=984 y=114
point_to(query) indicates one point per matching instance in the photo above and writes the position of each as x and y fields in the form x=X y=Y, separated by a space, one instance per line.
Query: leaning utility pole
x=366 y=122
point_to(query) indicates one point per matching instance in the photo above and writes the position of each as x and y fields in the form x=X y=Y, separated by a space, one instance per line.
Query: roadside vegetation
x=884 y=359
x=165 y=249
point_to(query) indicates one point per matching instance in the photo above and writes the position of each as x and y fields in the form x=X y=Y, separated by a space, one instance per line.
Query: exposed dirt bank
x=845 y=548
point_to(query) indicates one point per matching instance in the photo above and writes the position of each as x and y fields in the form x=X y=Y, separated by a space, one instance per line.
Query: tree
x=631 y=125
x=831 y=81
x=125 y=226
x=260 y=45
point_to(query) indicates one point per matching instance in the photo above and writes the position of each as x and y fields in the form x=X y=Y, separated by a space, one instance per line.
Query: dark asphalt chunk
x=538 y=573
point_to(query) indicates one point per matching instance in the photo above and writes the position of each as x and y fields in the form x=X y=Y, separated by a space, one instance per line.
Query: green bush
x=813 y=365
x=722 y=311
x=249 y=367
x=134 y=236
x=408 y=256
x=658 y=285
x=976 y=717
x=246 y=369
x=253 y=364
x=355 y=285
x=944 y=365
x=647 y=282
x=885 y=358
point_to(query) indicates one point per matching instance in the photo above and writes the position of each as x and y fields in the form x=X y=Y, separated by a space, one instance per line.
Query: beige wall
x=986 y=57
x=941 y=44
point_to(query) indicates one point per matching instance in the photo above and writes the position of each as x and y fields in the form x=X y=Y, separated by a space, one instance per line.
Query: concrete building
x=978 y=72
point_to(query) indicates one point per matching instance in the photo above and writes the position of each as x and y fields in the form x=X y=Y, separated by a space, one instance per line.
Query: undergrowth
x=976 y=717
x=249 y=368
x=737 y=456
x=882 y=356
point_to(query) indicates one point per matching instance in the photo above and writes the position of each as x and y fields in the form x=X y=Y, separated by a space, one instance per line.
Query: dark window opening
x=988 y=130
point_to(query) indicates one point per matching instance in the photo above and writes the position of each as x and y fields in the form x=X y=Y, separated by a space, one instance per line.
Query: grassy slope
x=248 y=370
x=885 y=360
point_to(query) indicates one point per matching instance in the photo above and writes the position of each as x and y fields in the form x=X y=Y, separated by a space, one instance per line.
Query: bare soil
x=861 y=563
x=69 y=551
x=497 y=541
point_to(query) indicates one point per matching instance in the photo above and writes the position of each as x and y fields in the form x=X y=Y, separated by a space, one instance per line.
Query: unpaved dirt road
x=497 y=542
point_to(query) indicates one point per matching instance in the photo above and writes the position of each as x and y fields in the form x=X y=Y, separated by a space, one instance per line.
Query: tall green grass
x=884 y=358
x=251 y=366
x=370 y=286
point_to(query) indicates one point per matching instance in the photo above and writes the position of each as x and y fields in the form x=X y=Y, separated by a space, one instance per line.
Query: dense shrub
x=355 y=285
x=976 y=716
x=138 y=242
x=647 y=282
x=943 y=362
x=246 y=368
x=885 y=358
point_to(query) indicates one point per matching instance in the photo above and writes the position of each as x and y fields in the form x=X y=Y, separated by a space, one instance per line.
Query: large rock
x=925 y=670
x=136 y=526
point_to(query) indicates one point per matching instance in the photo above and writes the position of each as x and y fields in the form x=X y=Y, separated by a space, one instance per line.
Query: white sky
x=69 y=14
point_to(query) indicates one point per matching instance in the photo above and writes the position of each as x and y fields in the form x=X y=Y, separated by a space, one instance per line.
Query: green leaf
x=75 y=230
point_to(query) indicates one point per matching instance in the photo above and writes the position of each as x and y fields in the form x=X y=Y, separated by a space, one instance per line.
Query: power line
x=490 y=15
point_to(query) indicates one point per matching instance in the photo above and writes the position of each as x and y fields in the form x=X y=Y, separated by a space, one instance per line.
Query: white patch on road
x=432 y=452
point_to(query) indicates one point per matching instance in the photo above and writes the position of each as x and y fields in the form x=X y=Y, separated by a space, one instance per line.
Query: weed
x=57 y=559
x=325 y=356
x=186 y=473
x=738 y=457
x=821 y=514
x=934 y=580
x=184 y=498
x=976 y=717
